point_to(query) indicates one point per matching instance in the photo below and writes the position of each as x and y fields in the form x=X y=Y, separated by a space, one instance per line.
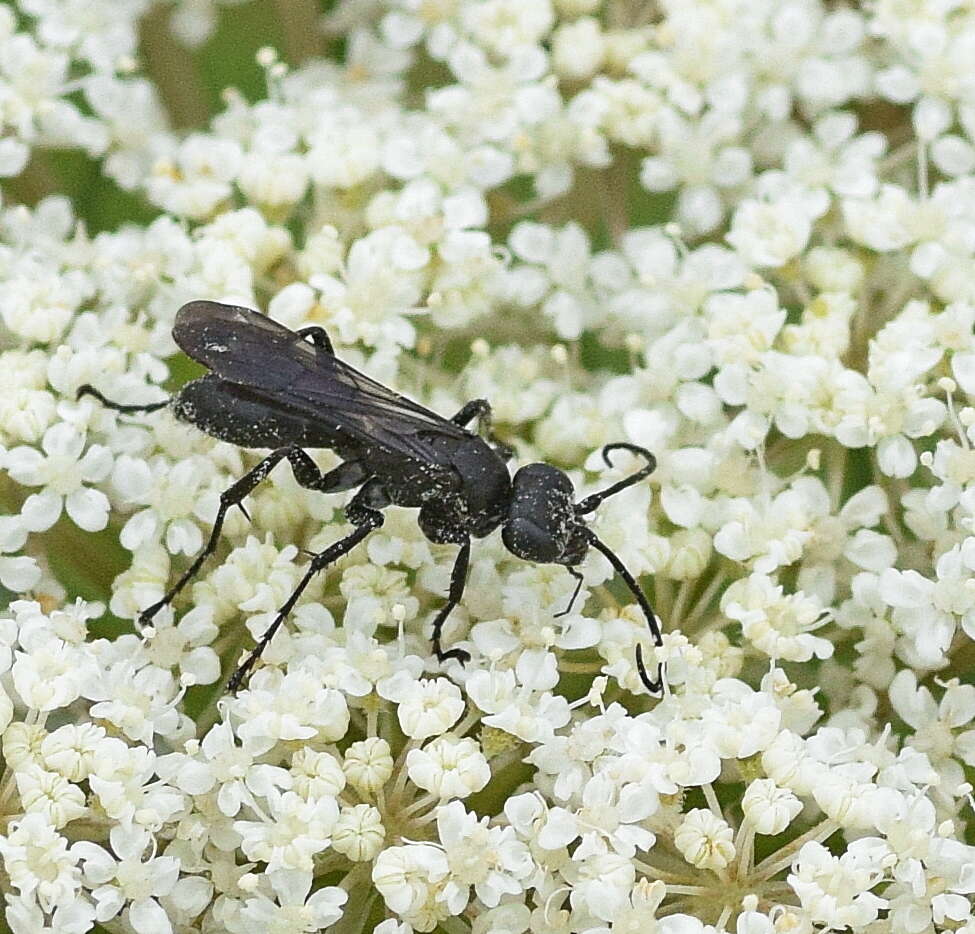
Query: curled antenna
x=652 y=685
x=591 y=503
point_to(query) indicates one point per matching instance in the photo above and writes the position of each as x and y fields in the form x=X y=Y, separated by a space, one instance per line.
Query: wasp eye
x=525 y=539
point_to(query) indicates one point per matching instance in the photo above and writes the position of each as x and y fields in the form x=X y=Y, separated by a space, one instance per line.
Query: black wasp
x=270 y=387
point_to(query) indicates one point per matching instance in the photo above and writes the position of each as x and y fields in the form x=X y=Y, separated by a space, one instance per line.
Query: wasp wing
x=250 y=349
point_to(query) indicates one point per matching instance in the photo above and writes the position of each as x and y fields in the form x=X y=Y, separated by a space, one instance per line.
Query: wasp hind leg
x=366 y=519
x=344 y=477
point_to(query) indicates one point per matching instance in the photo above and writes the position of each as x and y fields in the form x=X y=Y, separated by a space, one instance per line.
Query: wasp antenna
x=633 y=449
x=652 y=685
x=590 y=503
x=641 y=598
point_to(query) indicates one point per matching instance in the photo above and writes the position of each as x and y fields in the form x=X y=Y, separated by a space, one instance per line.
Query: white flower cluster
x=740 y=234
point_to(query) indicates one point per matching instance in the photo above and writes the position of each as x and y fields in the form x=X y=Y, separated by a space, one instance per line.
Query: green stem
x=717 y=582
x=702 y=891
x=783 y=858
x=171 y=68
x=301 y=31
x=455 y=926
x=359 y=905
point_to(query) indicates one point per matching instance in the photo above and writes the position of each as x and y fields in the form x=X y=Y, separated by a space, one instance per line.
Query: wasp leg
x=575 y=593
x=458 y=579
x=344 y=477
x=366 y=519
x=319 y=337
x=481 y=410
x=89 y=390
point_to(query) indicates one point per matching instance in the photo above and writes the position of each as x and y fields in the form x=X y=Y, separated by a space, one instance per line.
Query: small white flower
x=39 y=863
x=775 y=623
x=129 y=881
x=409 y=878
x=38 y=302
x=943 y=731
x=845 y=798
x=578 y=48
x=770 y=233
x=610 y=813
x=449 y=767
x=699 y=157
x=428 y=708
x=51 y=795
x=292 y=707
x=63 y=471
x=371 y=593
x=368 y=764
x=768 y=808
x=315 y=774
x=345 y=151
x=25 y=916
x=220 y=761
x=140 y=702
x=489 y=859
x=186 y=645
x=255 y=576
x=531 y=716
x=740 y=721
x=742 y=327
x=601 y=884
x=554 y=275
x=705 y=840
x=927 y=611
x=50 y=673
x=501 y=25
x=293 y=833
x=70 y=750
x=835 y=158
x=273 y=180
x=292 y=908
x=172 y=494
x=359 y=833
x=125 y=787
x=196 y=177
x=379 y=285
x=835 y=890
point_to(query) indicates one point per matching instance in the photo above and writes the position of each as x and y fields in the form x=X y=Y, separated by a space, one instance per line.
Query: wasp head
x=542 y=523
